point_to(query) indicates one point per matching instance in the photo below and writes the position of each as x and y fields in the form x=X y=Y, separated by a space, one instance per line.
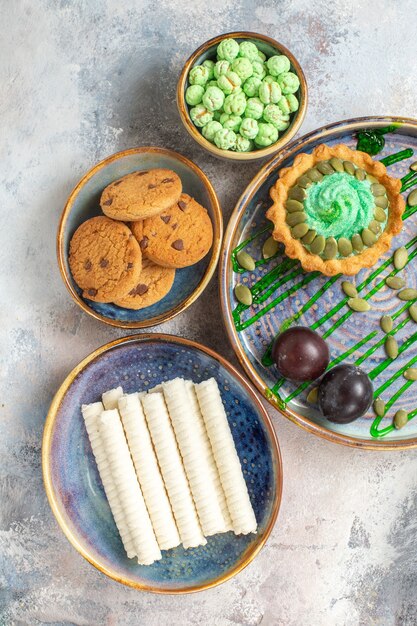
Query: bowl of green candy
x=242 y=96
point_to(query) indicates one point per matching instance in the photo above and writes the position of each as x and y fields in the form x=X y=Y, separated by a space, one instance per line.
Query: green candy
x=210 y=129
x=258 y=69
x=229 y=82
x=273 y=114
x=267 y=135
x=269 y=79
x=200 y=115
x=235 y=103
x=217 y=114
x=220 y=68
x=248 y=50
x=251 y=86
x=288 y=104
x=269 y=92
x=194 y=94
x=289 y=82
x=254 y=108
x=209 y=64
x=225 y=139
x=278 y=64
x=243 y=144
x=228 y=49
x=212 y=83
x=243 y=68
x=249 y=128
x=198 y=75
x=231 y=122
x=283 y=123
x=262 y=56
x=213 y=98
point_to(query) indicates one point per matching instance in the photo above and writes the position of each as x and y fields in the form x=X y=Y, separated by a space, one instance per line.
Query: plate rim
x=46 y=460
x=217 y=220
x=225 y=270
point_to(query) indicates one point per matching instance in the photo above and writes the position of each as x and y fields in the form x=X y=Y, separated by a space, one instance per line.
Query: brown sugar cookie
x=154 y=283
x=141 y=194
x=105 y=259
x=179 y=236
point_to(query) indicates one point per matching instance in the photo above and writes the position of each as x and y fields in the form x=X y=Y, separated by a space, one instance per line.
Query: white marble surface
x=83 y=79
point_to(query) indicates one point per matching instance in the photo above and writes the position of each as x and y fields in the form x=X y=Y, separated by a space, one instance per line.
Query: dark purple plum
x=345 y=393
x=300 y=354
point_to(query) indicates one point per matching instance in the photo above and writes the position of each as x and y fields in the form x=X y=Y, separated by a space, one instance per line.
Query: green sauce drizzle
x=372 y=140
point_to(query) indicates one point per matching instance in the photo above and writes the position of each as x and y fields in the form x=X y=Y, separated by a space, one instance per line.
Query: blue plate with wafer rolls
x=74 y=484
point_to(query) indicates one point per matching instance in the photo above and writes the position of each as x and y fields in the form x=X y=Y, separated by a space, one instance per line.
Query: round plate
x=74 y=488
x=84 y=203
x=293 y=292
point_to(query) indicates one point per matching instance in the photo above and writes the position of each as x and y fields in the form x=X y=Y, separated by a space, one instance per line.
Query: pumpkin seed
x=243 y=294
x=360 y=174
x=296 y=218
x=349 y=167
x=379 y=407
x=294 y=205
x=325 y=168
x=412 y=311
x=377 y=189
x=318 y=244
x=336 y=164
x=359 y=305
x=412 y=198
x=400 y=419
x=330 y=249
x=349 y=289
x=381 y=201
x=368 y=237
x=304 y=181
x=386 y=323
x=345 y=246
x=299 y=230
x=314 y=175
x=309 y=237
x=395 y=282
x=297 y=193
x=357 y=242
x=411 y=373
x=379 y=214
x=407 y=294
x=391 y=347
x=371 y=178
x=245 y=260
x=270 y=248
x=400 y=258
x=413 y=166
x=313 y=395
x=375 y=227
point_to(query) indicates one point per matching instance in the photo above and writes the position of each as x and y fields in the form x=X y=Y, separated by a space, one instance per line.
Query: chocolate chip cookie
x=141 y=194
x=105 y=259
x=179 y=236
x=154 y=284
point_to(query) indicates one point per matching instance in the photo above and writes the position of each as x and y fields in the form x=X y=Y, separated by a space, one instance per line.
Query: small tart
x=336 y=210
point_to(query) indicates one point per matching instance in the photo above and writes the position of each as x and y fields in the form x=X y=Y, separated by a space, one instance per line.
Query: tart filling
x=336 y=210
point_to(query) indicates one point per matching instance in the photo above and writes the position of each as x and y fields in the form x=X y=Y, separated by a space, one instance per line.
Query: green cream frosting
x=340 y=205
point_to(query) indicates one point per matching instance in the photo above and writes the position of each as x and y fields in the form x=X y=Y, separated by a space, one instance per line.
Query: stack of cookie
x=149 y=229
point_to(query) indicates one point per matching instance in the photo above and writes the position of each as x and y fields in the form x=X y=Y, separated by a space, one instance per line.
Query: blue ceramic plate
x=74 y=488
x=296 y=297
x=84 y=202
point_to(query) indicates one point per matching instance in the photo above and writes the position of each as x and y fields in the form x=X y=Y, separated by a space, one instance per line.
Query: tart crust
x=295 y=249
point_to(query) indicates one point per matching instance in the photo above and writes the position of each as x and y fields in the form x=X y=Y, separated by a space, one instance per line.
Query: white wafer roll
x=200 y=427
x=172 y=470
x=124 y=475
x=226 y=457
x=147 y=471
x=91 y=414
x=111 y=398
x=193 y=448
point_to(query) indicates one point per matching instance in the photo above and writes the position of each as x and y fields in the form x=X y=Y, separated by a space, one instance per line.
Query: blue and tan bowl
x=84 y=202
x=269 y=47
x=74 y=488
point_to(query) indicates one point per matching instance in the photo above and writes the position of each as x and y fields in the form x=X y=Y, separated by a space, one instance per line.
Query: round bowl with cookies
x=139 y=237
